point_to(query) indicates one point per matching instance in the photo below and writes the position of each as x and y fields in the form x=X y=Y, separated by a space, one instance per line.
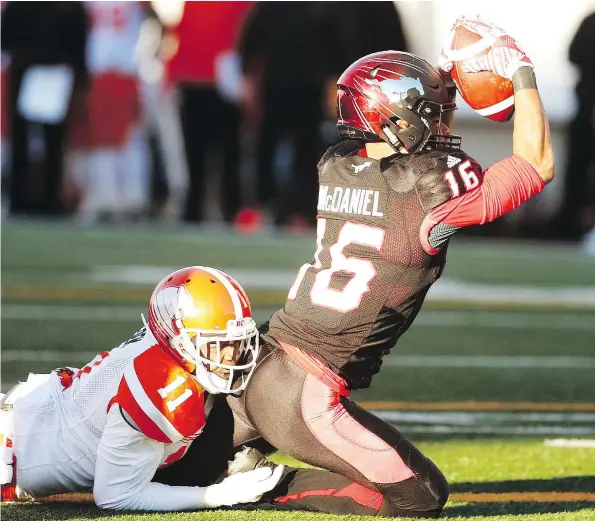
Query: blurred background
x=139 y=137
x=217 y=112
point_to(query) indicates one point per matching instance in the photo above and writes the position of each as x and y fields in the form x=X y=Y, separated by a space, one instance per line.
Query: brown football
x=487 y=93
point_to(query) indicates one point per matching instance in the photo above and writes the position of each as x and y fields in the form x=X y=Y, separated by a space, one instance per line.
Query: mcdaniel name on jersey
x=355 y=201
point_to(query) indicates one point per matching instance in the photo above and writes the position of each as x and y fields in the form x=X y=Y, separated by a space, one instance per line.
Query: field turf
x=500 y=361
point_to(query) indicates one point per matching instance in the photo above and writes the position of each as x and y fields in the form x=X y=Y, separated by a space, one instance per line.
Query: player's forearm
x=153 y=496
x=126 y=463
x=531 y=137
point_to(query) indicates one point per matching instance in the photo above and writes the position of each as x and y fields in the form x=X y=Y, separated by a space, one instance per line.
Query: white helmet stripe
x=164 y=314
x=237 y=305
x=140 y=395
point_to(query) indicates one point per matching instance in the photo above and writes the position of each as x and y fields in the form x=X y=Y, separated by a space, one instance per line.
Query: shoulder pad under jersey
x=344 y=148
x=446 y=174
x=161 y=398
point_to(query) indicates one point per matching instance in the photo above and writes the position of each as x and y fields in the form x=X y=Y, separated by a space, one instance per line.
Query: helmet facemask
x=204 y=350
x=438 y=118
x=419 y=125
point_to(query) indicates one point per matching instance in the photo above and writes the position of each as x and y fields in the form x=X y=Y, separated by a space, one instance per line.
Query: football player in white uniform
x=112 y=424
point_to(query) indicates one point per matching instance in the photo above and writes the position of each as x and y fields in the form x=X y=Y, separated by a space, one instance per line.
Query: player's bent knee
x=416 y=497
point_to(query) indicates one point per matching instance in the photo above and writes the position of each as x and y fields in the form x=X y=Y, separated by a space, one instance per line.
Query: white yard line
x=444 y=290
x=491 y=362
x=505 y=320
x=483 y=417
x=570 y=443
x=505 y=431
x=455 y=290
x=255 y=278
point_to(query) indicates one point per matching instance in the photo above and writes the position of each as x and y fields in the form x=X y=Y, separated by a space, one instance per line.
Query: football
x=487 y=93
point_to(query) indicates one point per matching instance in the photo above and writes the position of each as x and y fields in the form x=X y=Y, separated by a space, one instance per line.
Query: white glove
x=444 y=63
x=504 y=58
x=244 y=487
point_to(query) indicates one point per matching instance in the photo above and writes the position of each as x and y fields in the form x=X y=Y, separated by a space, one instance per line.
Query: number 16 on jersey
x=349 y=298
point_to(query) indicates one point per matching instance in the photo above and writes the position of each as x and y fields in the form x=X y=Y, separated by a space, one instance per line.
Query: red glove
x=504 y=58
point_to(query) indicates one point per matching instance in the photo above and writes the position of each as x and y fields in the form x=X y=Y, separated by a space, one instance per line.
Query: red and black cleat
x=9 y=490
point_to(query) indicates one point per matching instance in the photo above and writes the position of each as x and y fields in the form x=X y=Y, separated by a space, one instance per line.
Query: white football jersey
x=128 y=412
x=115 y=28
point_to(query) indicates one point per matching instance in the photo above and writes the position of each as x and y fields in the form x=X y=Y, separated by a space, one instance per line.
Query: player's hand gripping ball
x=482 y=58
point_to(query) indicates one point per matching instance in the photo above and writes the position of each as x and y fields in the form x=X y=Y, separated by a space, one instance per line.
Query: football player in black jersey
x=392 y=194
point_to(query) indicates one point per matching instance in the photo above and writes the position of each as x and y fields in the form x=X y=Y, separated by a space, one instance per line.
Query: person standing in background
x=45 y=42
x=288 y=47
x=363 y=28
x=206 y=72
x=4 y=123
x=577 y=213
x=110 y=138
x=155 y=46
x=292 y=55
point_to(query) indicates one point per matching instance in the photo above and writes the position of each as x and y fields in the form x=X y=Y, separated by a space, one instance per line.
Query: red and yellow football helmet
x=194 y=313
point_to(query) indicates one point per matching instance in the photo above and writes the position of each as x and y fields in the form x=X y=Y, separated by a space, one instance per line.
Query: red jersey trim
x=366 y=497
x=148 y=427
x=316 y=368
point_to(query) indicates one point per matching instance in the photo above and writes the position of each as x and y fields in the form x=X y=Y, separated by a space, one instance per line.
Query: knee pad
x=415 y=497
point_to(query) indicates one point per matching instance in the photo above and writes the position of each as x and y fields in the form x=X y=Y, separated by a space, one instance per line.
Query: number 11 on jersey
x=164 y=392
x=349 y=298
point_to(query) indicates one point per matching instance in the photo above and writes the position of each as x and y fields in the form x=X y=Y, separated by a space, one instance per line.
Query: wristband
x=524 y=78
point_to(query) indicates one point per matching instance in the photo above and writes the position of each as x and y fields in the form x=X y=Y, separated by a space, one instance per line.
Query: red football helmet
x=399 y=98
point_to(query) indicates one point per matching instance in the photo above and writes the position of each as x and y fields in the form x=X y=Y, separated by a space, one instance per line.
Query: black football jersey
x=370 y=272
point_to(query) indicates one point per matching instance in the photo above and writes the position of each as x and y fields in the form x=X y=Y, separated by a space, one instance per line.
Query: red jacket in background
x=206 y=30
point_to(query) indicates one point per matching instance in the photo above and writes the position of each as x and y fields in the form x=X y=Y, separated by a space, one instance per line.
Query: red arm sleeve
x=506 y=185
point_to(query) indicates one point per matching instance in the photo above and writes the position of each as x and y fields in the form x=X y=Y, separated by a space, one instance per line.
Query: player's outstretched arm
x=127 y=461
x=531 y=135
x=512 y=181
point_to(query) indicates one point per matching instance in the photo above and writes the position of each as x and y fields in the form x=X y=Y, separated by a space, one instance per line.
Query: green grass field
x=501 y=358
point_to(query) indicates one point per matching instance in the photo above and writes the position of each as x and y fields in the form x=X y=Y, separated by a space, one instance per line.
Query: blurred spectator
x=110 y=138
x=169 y=180
x=46 y=45
x=4 y=123
x=363 y=28
x=293 y=52
x=577 y=212
x=206 y=70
